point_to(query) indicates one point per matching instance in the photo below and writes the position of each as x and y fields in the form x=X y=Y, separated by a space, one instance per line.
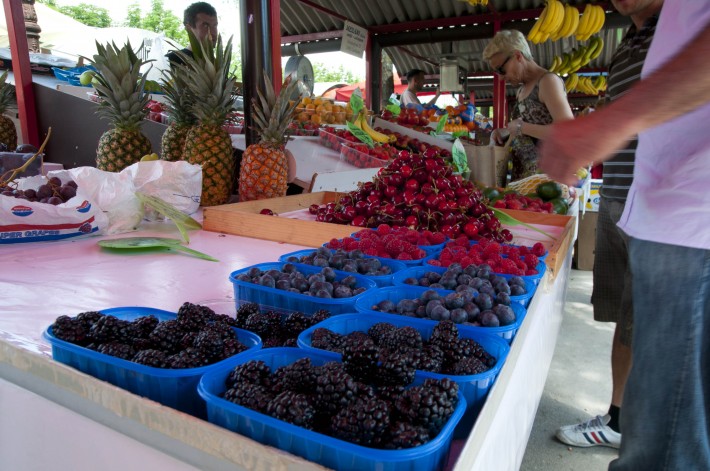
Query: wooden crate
x=560 y=246
x=243 y=219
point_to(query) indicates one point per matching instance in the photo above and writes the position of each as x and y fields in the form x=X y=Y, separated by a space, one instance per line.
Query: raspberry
x=437 y=238
x=483 y=242
x=531 y=271
x=538 y=249
x=351 y=245
x=494 y=259
x=476 y=259
x=531 y=260
x=437 y=263
x=404 y=256
x=416 y=253
x=523 y=250
x=465 y=261
x=366 y=234
x=371 y=251
x=514 y=257
x=384 y=229
x=334 y=244
x=492 y=248
x=508 y=266
x=462 y=240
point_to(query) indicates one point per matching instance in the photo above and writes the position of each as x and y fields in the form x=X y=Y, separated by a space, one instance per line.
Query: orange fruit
x=316 y=119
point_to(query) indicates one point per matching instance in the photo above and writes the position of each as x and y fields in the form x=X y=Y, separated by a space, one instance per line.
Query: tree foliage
x=89 y=15
x=327 y=73
x=158 y=19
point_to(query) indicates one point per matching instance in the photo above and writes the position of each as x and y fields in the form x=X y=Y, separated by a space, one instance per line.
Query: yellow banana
x=532 y=35
x=571 y=82
x=601 y=17
x=547 y=17
x=562 y=69
x=598 y=50
x=574 y=14
x=585 y=23
x=557 y=17
x=556 y=61
x=375 y=135
x=566 y=25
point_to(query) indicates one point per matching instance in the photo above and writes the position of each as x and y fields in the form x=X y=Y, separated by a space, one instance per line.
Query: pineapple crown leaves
x=273 y=113
x=121 y=85
x=178 y=96
x=208 y=79
x=7 y=93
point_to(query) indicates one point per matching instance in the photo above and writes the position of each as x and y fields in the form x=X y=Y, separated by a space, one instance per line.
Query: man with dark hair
x=415 y=83
x=201 y=19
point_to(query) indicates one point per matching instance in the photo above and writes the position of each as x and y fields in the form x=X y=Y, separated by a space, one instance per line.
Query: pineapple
x=179 y=101
x=264 y=169
x=208 y=143
x=8 y=132
x=124 y=103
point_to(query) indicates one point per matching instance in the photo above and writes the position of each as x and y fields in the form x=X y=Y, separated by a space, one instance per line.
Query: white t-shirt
x=410 y=97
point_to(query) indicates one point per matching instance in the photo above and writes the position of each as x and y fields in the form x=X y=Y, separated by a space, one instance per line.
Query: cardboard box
x=586 y=241
x=592 y=203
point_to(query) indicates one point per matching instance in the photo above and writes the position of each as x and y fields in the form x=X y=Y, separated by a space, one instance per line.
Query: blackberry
x=117 y=349
x=299 y=376
x=225 y=319
x=335 y=389
x=243 y=313
x=193 y=316
x=293 y=408
x=327 y=340
x=356 y=336
x=71 y=330
x=151 y=357
x=397 y=369
x=141 y=344
x=188 y=340
x=378 y=331
x=210 y=343
x=364 y=422
x=253 y=396
x=167 y=336
x=431 y=359
x=232 y=347
x=291 y=342
x=294 y=324
x=108 y=328
x=390 y=393
x=88 y=318
x=265 y=325
x=143 y=326
x=429 y=405
x=360 y=357
x=468 y=366
x=319 y=316
x=403 y=338
x=272 y=342
x=188 y=358
x=225 y=331
x=471 y=348
x=402 y=435
x=252 y=372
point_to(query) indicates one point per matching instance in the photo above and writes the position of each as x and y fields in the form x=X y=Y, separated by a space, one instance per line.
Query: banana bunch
x=549 y=22
x=591 y=22
x=361 y=122
x=476 y=2
x=585 y=84
x=579 y=57
x=569 y=24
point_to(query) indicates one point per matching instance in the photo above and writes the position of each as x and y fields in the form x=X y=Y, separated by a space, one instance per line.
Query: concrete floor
x=578 y=386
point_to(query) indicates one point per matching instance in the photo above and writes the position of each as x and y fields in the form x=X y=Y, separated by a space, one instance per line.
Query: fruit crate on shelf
x=313 y=446
x=176 y=388
x=243 y=219
x=473 y=387
x=351 y=155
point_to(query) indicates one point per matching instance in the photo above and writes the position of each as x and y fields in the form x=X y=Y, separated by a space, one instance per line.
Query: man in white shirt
x=415 y=83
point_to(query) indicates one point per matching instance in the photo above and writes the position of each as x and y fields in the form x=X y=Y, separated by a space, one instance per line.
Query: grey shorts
x=611 y=295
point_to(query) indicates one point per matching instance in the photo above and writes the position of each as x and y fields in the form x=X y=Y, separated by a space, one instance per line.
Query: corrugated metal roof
x=299 y=18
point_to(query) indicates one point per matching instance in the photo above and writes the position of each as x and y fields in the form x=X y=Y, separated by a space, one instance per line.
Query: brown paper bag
x=489 y=165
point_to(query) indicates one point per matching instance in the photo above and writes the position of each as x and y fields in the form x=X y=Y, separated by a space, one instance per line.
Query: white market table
x=56 y=417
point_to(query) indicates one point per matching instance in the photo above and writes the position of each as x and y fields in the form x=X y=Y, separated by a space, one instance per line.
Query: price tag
x=361 y=135
x=458 y=153
x=356 y=103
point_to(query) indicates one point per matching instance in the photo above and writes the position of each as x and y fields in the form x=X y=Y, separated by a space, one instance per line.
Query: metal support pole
x=21 y=69
x=373 y=73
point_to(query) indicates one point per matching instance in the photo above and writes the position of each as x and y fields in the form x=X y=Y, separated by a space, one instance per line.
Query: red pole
x=275 y=11
x=21 y=69
x=368 y=72
x=500 y=108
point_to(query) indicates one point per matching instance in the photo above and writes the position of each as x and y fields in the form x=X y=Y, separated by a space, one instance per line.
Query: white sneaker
x=594 y=432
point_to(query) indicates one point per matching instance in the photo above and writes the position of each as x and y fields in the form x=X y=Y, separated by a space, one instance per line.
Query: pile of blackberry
x=274 y=328
x=289 y=278
x=330 y=400
x=399 y=351
x=196 y=337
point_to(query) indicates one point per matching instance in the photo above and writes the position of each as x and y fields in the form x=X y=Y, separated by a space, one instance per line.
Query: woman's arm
x=553 y=95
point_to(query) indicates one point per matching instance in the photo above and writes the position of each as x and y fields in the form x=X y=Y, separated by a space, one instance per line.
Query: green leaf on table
x=442 y=122
x=356 y=103
x=509 y=220
x=133 y=243
x=181 y=220
x=458 y=154
x=361 y=135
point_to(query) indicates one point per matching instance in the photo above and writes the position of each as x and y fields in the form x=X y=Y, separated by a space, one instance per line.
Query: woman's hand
x=500 y=136
x=515 y=126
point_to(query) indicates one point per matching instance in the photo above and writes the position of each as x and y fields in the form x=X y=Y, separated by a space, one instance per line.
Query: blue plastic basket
x=383 y=280
x=313 y=446
x=417 y=272
x=176 y=388
x=473 y=387
x=281 y=300
x=397 y=293
x=71 y=75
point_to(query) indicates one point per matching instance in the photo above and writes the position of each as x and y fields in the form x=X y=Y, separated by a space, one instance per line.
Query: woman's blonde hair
x=507 y=41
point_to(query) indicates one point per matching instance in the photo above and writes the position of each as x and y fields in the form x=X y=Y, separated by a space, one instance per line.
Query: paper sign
x=458 y=153
x=354 y=39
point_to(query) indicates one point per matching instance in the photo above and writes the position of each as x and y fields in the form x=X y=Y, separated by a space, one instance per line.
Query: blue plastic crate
x=417 y=272
x=473 y=387
x=281 y=300
x=176 y=388
x=383 y=280
x=313 y=446
x=397 y=293
x=71 y=75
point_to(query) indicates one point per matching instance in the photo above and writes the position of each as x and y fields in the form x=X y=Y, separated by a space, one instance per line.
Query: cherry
x=267 y=212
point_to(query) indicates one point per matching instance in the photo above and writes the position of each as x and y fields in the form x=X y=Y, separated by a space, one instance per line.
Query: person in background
x=415 y=83
x=611 y=294
x=666 y=413
x=541 y=99
x=201 y=19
